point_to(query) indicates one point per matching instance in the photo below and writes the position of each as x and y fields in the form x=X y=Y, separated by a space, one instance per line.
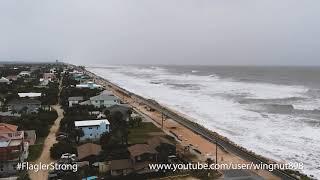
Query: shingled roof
x=7 y=128
x=139 y=149
x=88 y=149
x=121 y=164
x=157 y=141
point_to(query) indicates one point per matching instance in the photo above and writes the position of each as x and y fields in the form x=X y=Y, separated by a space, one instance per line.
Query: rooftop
x=121 y=164
x=7 y=128
x=24 y=101
x=91 y=122
x=103 y=97
x=88 y=149
x=31 y=94
x=139 y=149
x=75 y=98
x=3 y=79
x=10 y=114
x=24 y=72
x=157 y=141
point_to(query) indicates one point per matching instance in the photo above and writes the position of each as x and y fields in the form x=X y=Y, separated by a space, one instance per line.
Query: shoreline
x=191 y=128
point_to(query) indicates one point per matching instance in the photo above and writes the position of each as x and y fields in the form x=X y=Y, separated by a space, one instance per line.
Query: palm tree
x=138 y=120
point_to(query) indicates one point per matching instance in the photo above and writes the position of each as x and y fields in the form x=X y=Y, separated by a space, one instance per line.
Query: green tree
x=78 y=134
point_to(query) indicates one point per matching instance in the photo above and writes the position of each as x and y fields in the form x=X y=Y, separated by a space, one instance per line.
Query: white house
x=74 y=100
x=103 y=99
x=43 y=82
x=90 y=85
x=30 y=95
x=24 y=74
x=5 y=80
x=93 y=129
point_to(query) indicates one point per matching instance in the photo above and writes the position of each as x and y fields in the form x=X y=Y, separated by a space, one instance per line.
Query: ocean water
x=273 y=111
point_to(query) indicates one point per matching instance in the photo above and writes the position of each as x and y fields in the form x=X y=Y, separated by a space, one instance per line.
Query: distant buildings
x=49 y=76
x=13 y=148
x=12 y=77
x=43 y=82
x=93 y=129
x=74 y=100
x=102 y=100
x=24 y=74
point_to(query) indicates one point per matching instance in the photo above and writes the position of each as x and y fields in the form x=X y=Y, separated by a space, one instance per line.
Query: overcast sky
x=224 y=32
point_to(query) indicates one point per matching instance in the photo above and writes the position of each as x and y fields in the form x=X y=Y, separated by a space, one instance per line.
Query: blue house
x=93 y=129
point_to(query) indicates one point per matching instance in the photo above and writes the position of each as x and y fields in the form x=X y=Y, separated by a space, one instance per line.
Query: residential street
x=50 y=140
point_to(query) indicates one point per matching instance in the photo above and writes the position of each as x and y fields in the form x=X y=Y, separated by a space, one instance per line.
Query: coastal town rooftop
x=31 y=94
x=91 y=122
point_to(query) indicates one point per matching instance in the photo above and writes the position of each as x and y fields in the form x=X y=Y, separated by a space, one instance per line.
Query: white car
x=68 y=156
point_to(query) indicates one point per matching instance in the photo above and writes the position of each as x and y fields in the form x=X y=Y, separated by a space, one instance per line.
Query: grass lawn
x=36 y=149
x=141 y=134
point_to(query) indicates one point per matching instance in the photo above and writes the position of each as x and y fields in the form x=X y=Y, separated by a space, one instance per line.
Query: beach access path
x=49 y=141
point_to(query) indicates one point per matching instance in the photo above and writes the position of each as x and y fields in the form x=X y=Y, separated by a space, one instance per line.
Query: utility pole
x=216 y=152
x=162 y=119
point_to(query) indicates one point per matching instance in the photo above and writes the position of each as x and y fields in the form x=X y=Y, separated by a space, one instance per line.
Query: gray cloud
x=162 y=31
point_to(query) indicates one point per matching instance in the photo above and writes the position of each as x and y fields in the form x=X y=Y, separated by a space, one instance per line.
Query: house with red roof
x=13 y=149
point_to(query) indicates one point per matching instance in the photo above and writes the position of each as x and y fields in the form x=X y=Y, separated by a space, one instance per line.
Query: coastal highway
x=196 y=128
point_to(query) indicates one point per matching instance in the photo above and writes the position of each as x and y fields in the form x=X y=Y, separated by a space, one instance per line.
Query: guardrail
x=198 y=129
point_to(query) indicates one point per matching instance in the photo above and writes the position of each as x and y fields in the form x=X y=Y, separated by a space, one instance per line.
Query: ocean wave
x=280 y=136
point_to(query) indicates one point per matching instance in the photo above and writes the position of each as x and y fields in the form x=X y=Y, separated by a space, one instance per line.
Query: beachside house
x=163 y=146
x=157 y=149
x=74 y=100
x=26 y=105
x=49 y=76
x=9 y=115
x=13 y=149
x=29 y=95
x=4 y=80
x=121 y=167
x=12 y=77
x=93 y=129
x=90 y=85
x=124 y=109
x=43 y=82
x=88 y=152
x=102 y=100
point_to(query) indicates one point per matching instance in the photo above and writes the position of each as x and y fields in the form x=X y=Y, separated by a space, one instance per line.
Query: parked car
x=68 y=156
x=61 y=137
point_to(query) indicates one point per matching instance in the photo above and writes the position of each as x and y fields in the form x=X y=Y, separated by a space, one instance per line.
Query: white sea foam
x=281 y=137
